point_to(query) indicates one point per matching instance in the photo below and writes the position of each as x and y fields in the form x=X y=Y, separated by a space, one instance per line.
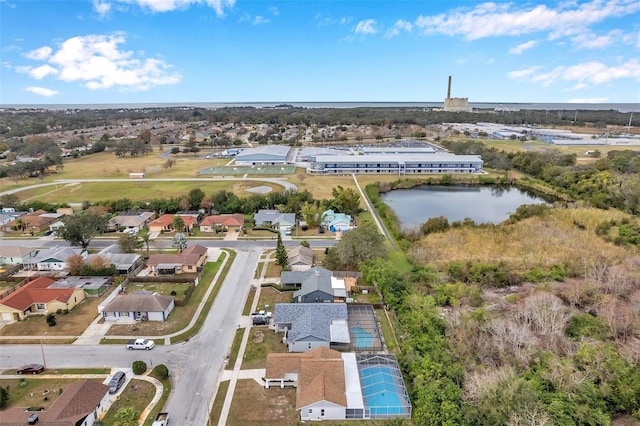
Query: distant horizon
x=622 y=107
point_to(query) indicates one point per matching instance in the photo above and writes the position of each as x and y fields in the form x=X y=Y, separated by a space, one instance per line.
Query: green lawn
x=262 y=341
x=137 y=395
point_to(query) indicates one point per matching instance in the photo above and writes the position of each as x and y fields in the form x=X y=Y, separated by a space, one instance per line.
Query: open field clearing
x=31 y=392
x=538 y=241
x=133 y=190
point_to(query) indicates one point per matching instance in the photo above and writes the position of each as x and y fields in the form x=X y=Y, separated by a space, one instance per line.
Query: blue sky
x=121 y=51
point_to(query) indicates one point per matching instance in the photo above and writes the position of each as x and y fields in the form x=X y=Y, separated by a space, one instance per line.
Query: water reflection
x=482 y=204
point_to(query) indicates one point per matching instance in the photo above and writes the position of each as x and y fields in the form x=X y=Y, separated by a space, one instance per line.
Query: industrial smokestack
x=449 y=89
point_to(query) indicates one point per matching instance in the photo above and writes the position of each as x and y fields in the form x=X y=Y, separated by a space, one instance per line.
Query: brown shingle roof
x=300 y=255
x=235 y=219
x=76 y=402
x=320 y=375
x=16 y=251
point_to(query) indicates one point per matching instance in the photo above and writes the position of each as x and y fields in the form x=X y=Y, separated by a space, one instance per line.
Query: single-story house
x=275 y=219
x=295 y=278
x=38 y=296
x=125 y=263
x=229 y=222
x=130 y=220
x=189 y=261
x=80 y=404
x=165 y=223
x=16 y=255
x=325 y=386
x=37 y=221
x=300 y=258
x=139 y=306
x=321 y=288
x=53 y=259
x=311 y=325
x=336 y=221
x=92 y=286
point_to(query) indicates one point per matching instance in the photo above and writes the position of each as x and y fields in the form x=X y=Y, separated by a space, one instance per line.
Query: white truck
x=162 y=419
x=140 y=344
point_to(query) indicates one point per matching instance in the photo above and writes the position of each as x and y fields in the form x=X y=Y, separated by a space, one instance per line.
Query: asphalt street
x=195 y=366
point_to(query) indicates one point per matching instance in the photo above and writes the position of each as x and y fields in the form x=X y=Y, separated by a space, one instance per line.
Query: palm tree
x=145 y=237
x=127 y=417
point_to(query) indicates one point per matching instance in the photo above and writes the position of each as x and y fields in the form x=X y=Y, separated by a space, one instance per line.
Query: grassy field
x=551 y=240
x=269 y=296
x=273 y=406
x=71 y=324
x=164 y=289
x=214 y=416
x=137 y=394
x=262 y=341
x=235 y=348
x=28 y=392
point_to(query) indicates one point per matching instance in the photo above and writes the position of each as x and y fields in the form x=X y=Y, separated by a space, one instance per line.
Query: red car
x=30 y=369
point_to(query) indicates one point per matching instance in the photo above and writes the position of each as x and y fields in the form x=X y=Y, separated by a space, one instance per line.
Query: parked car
x=260 y=320
x=117 y=381
x=48 y=232
x=30 y=369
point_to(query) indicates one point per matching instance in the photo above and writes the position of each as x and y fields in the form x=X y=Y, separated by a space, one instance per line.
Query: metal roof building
x=264 y=154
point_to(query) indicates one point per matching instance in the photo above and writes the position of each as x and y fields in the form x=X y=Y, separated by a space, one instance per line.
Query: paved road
x=198 y=375
x=196 y=365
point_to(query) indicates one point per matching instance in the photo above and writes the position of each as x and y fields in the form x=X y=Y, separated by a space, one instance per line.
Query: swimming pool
x=382 y=391
x=361 y=338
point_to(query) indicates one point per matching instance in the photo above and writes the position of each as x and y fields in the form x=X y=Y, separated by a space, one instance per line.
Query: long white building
x=399 y=164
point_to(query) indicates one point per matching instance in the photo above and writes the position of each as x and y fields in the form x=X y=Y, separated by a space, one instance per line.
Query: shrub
x=139 y=367
x=173 y=292
x=587 y=326
x=161 y=372
x=51 y=319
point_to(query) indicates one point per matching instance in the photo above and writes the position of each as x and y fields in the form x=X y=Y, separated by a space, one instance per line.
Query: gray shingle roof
x=309 y=319
x=139 y=302
x=297 y=277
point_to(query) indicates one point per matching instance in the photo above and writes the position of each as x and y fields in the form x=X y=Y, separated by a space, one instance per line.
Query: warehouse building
x=268 y=155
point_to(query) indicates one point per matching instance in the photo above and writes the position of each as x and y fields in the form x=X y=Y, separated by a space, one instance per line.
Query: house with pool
x=331 y=385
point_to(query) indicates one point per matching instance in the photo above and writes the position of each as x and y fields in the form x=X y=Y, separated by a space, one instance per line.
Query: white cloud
x=42 y=91
x=102 y=8
x=367 y=26
x=593 y=41
x=97 y=63
x=583 y=75
x=523 y=73
x=587 y=100
x=522 y=47
x=274 y=10
x=39 y=54
x=170 y=5
x=258 y=20
x=398 y=27
x=40 y=72
x=492 y=19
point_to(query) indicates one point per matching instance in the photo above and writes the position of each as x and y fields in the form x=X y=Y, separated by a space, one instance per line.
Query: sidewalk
x=236 y=374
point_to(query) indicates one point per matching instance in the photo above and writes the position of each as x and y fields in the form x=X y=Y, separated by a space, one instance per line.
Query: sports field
x=247 y=170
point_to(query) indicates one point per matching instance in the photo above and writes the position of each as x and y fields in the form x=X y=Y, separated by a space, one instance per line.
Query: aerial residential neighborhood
x=292 y=278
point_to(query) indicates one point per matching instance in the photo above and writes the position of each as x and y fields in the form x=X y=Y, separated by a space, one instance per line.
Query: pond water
x=482 y=204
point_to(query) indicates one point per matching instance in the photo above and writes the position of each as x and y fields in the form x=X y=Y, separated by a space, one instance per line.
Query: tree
x=311 y=213
x=9 y=200
x=346 y=200
x=281 y=253
x=357 y=246
x=4 y=397
x=178 y=223
x=195 y=197
x=51 y=319
x=179 y=242
x=129 y=243
x=145 y=238
x=139 y=367
x=80 y=229
x=75 y=264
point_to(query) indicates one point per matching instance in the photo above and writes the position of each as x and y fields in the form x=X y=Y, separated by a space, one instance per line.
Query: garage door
x=6 y=316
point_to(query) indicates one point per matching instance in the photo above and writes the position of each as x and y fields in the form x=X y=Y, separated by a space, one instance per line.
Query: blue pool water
x=362 y=338
x=380 y=391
